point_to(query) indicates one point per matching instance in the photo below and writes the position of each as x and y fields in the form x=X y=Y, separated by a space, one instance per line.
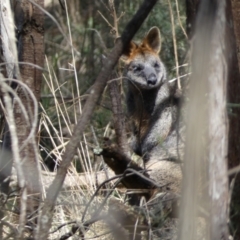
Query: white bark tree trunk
x=207 y=128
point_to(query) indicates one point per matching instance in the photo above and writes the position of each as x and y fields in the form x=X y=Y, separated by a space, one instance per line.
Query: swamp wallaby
x=152 y=108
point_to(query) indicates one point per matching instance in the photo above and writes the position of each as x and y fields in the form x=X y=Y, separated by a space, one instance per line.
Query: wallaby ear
x=153 y=39
x=128 y=50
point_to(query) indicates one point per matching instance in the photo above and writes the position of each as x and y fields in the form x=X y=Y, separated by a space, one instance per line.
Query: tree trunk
x=29 y=21
x=205 y=162
x=218 y=126
x=234 y=108
x=9 y=50
x=191 y=13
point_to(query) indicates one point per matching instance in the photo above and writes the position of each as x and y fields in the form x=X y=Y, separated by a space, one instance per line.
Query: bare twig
x=179 y=20
x=234 y=170
x=63 y=225
x=109 y=24
x=115 y=18
x=86 y=224
x=174 y=44
x=119 y=177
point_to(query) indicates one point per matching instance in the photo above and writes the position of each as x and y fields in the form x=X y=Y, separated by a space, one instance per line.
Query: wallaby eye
x=137 y=68
x=156 y=65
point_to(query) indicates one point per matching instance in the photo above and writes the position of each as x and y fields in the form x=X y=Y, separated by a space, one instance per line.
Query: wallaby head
x=144 y=68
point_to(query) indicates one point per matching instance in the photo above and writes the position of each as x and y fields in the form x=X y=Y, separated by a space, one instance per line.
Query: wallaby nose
x=152 y=79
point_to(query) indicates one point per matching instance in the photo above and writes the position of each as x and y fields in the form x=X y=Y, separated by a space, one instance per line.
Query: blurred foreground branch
x=205 y=181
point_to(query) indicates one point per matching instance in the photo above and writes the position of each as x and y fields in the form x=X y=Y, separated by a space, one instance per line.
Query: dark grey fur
x=152 y=107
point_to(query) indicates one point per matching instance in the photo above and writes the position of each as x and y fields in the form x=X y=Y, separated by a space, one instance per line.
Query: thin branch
x=62 y=225
x=108 y=23
x=86 y=224
x=174 y=44
x=234 y=170
x=179 y=20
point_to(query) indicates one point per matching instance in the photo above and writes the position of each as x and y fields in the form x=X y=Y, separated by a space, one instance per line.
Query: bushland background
x=78 y=36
